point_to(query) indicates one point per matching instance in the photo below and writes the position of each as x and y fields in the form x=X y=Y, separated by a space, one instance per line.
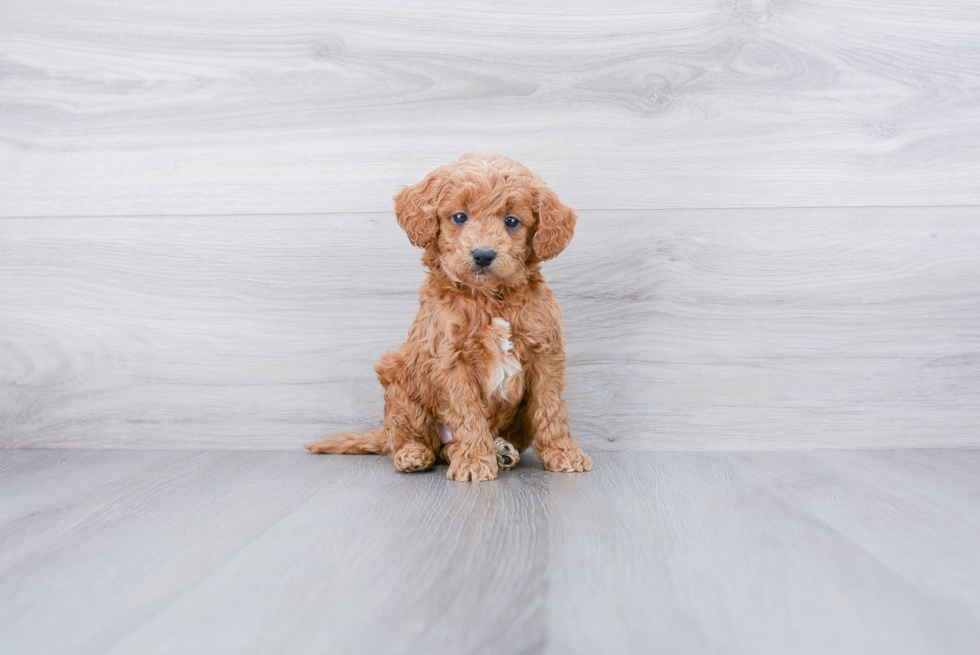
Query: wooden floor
x=122 y=551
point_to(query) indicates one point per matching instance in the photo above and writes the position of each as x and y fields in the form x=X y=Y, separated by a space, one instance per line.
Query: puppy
x=481 y=375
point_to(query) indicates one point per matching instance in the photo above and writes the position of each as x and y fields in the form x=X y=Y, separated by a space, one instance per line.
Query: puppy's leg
x=410 y=430
x=471 y=455
x=547 y=416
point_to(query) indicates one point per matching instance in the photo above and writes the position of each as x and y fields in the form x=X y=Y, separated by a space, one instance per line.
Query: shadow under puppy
x=481 y=375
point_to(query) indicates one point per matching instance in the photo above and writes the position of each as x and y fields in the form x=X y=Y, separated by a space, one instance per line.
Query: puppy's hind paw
x=413 y=457
x=507 y=455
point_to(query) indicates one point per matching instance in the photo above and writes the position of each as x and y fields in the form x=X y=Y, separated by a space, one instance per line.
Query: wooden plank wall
x=779 y=244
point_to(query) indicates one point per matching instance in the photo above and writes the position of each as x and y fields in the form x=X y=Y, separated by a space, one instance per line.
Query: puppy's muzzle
x=483 y=257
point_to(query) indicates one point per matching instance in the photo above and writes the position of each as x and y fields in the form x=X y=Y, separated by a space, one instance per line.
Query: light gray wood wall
x=213 y=106
x=779 y=244
x=685 y=328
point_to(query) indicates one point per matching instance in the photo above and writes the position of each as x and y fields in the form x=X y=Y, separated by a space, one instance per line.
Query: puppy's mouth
x=481 y=274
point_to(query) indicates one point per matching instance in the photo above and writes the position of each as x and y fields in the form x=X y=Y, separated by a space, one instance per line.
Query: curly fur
x=484 y=360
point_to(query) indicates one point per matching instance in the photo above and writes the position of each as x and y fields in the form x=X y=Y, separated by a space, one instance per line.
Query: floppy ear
x=556 y=224
x=415 y=209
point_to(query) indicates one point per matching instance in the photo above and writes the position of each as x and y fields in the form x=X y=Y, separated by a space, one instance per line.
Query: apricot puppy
x=481 y=375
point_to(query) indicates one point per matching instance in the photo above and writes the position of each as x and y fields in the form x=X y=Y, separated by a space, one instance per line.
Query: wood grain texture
x=802 y=552
x=382 y=562
x=765 y=552
x=33 y=479
x=193 y=512
x=736 y=329
x=189 y=108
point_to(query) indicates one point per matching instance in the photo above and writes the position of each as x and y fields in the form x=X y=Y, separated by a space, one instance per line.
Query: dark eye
x=459 y=218
x=512 y=223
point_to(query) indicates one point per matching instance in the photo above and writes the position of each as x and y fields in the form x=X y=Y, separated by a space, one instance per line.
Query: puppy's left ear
x=415 y=209
x=556 y=224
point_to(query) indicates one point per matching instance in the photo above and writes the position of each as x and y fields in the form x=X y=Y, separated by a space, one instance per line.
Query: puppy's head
x=485 y=219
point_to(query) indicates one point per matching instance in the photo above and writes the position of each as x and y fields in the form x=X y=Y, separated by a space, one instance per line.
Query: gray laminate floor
x=123 y=551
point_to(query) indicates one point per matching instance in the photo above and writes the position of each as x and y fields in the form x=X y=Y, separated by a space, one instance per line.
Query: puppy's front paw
x=473 y=469
x=507 y=455
x=565 y=460
x=414 y=457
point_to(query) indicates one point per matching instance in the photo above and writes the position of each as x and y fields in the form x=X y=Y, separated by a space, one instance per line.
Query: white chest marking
x=509 y=365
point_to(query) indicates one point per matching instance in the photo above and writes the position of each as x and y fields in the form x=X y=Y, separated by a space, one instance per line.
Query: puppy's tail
x=351 y=443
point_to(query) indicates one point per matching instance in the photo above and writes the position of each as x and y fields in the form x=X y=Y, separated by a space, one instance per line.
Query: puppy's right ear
x=415 y=209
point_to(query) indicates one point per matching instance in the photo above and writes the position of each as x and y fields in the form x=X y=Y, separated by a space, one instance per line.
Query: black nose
x=483 y=257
